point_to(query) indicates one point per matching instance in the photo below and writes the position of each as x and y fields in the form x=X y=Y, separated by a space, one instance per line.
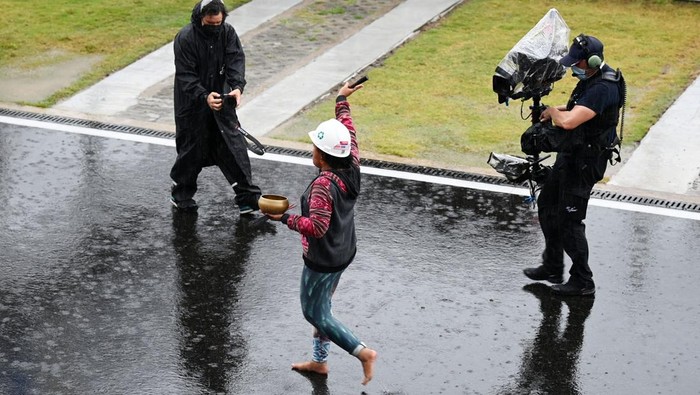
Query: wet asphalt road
x=103 y=289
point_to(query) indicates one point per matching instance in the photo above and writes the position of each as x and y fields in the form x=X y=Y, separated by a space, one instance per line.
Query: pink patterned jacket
x=320 y=199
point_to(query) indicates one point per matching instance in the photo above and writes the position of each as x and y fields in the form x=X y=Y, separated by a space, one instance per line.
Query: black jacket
x=600 y=131
x=204 y=65
x=336 y=249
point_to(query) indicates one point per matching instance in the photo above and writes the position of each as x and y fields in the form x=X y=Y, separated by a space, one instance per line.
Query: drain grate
x=599 y=194
x=61 y=120
x=647 y=201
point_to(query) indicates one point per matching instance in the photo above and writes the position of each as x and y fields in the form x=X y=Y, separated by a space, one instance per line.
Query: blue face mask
x=579 y=73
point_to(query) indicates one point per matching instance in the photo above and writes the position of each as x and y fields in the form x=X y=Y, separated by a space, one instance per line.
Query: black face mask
x=212 y=30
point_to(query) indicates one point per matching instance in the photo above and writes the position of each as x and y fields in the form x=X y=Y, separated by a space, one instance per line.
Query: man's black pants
x=562 y=206
x=196 y=152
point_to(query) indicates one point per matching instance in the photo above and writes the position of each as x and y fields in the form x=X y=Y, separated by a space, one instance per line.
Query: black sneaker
x=540 y=273
x=574 y=289
x=188 y=205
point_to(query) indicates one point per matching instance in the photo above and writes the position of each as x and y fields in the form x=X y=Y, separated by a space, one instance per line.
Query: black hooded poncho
x=205 y=64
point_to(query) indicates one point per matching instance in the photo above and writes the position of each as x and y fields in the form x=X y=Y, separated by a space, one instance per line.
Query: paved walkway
x=288 y=52
x=122 y=92
x=292 y=60
x=667 y=159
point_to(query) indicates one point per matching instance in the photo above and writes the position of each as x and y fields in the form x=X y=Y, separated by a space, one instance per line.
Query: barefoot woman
x=327 y=226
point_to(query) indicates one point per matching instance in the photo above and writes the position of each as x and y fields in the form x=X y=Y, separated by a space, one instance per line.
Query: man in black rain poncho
x=209 y=62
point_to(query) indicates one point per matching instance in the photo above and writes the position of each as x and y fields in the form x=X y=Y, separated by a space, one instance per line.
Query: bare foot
x=367 y=356
x=311 y=366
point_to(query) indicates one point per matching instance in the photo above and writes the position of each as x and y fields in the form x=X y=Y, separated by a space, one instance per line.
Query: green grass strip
x=432 y=101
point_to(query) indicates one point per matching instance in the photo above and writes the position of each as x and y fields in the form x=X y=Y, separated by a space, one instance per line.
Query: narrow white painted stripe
x=87 y=131
x=446 y=181
x=285 y=158
x=667 y=212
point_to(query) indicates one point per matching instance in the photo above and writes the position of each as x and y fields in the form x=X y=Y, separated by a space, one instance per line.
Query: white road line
x=87 y=131
x=625 y=206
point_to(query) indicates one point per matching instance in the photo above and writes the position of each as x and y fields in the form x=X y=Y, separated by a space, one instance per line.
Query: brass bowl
x=273 y=204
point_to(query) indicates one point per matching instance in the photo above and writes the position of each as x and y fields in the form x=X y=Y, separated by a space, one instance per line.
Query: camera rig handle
x=536 y=111
x=536 y=168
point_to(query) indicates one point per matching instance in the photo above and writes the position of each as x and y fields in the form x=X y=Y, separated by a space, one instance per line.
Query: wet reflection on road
x=209 y=346
x=550 y=362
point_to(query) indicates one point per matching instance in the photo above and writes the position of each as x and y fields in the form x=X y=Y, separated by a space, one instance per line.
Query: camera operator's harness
x=616 y=145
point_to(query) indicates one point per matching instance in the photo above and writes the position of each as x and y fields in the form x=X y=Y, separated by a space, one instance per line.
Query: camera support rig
x=530 y=169
x=537 y=171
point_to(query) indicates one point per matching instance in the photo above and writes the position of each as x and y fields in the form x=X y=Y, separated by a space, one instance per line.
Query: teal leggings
x=315 y=294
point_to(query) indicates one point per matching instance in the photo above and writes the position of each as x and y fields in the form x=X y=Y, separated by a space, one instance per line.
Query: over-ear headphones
x=593 y=58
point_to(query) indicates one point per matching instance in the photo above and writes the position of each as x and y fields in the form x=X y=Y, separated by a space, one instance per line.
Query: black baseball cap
x=592 y=45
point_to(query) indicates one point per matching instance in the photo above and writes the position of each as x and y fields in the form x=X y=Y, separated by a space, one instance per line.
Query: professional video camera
x=528 y=72
x=532 y=65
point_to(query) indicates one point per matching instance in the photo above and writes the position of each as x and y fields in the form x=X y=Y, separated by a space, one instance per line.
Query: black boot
x=575 y=288
x=541 y=273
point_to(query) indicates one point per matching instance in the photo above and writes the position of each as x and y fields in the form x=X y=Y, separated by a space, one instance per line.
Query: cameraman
x=590 y=119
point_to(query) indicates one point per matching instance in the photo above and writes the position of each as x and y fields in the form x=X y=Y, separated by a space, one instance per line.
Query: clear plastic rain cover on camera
x=530 y=68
